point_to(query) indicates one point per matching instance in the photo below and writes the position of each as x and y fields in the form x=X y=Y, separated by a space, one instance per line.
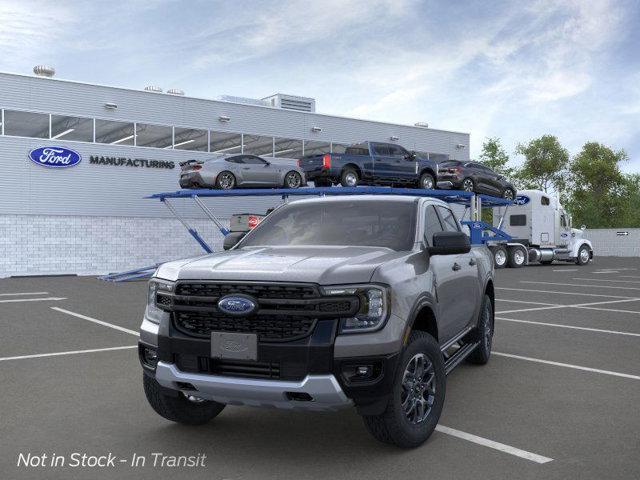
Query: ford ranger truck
x=371 y=163
x=328 y=303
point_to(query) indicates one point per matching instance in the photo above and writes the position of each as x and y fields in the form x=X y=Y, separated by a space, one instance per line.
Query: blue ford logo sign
x=236 y=305
x=56 y=157
x=521 y=200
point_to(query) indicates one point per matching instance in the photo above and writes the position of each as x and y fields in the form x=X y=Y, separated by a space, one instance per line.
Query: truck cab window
x=544 y=200
x=381 y=150
x=431 y=224
x=449 y=222
x=517 y=220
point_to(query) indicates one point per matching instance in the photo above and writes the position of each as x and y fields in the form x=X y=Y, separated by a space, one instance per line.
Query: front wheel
x=417 y=398
x=468 y=185
x=583 y=255
x=427 y=182
x=292 y=180
x=181 y=409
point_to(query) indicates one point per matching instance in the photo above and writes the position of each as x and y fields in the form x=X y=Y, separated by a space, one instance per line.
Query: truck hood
x=322 y=265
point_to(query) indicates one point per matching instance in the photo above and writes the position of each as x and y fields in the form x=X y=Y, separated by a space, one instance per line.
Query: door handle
x=246 y=168
x=472 y=262
x=456 y=267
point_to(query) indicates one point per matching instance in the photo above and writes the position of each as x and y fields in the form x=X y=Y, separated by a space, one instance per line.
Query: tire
x=500 y=256
x=225 y=180
x=322 y=182
x=481 y=354
x=517 y=257
x=468 y=185
x=509 y=194
x=179 y=409
x=292 y=180
x=584 y=255
x=394 y=425
x=349 y=178
x=427 y=182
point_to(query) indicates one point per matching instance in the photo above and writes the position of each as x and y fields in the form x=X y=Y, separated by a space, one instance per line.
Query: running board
x=459 y=355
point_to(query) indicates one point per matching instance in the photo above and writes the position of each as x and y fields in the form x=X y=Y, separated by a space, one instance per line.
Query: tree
x=545 y=165
x=495 y=157
x=599 y=191
x=631 y=197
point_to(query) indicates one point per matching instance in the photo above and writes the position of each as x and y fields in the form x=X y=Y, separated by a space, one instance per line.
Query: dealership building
x=92 y=218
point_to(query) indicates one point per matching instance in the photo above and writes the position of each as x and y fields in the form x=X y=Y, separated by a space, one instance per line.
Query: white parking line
x=573 y=327
x=564 y=293
x=23 y=293
x=71 y=352
x=566 y=269
x=577 y=305
x=567 y=365
x=603 y=280
x=616 y=310
x=95 y=320
x=581 y=285
x=45 y=299
x=523 y=301
x=485 y=442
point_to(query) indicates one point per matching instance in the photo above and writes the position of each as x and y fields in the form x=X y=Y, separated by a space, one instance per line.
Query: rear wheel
x=349 y=178
x=508 y=194
x=225 y=181
x=481 y=354
x=517 y=257
x=292 y=179
x=181 y=409
x=468 y=185
x=417 y=397
x=499 y=256
x=427 y=181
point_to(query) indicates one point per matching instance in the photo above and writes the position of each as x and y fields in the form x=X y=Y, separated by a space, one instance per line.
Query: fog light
x=150 y=357
x=363 y=371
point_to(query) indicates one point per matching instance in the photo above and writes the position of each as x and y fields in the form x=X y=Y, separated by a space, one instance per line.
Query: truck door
x=382 y=161
x=564 y=231
x=456 y=277
x=404 y=165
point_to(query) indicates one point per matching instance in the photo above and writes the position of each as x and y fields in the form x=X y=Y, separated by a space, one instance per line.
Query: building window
x=72 y=128
x=338 y=147
x=190 y=139
x=26 y=124
x=258 y=145
x=312 y=147
x=287 y=148
x=157 y=136
x=114 y=133
x=224 y=142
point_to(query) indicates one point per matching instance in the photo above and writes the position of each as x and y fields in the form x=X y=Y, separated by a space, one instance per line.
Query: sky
x=514 y=70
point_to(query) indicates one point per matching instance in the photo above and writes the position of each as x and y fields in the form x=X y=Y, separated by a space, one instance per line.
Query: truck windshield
x=376 y=223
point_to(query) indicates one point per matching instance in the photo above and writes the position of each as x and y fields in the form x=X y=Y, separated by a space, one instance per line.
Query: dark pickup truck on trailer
x=371 y=163
x=326 y=303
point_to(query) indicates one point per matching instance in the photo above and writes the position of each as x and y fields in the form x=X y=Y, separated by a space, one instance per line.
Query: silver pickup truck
x=335 y=302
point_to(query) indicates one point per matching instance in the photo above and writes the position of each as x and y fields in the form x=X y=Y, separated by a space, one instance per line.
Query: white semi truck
x=540 y=231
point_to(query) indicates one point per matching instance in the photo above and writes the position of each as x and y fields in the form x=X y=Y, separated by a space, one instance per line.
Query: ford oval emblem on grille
x=236 y=305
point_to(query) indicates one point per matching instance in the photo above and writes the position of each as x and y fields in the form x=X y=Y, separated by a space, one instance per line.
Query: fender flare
x=578 y=245
x=424 y=300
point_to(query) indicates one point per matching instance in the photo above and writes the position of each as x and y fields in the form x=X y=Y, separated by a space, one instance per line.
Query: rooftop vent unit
x=44 y=71
x=244 y=100
x=175 y=91
x=292 y=102
x=422 y=124
x=153 y=88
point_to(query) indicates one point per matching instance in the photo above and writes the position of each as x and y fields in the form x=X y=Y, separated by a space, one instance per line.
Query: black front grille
x=259 y=291
x=267 y=327
x=229 y=368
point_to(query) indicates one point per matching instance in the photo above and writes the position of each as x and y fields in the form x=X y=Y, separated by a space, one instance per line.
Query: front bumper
x=314 y=392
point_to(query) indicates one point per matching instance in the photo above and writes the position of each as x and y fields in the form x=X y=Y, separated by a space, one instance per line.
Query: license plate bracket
x=234 y=346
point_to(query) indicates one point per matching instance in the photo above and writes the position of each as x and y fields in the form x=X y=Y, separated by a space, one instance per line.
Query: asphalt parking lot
x=559 y=398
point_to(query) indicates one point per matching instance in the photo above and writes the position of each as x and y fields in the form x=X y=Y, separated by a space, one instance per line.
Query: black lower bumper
x=292 y=360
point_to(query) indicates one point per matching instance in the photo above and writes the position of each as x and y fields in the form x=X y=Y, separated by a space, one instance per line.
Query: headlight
x=152 y=312
x=374 y=301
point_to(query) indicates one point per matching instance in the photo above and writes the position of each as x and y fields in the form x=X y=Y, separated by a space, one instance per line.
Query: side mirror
x=231 y=239
x=449 y=243
x=410 y=156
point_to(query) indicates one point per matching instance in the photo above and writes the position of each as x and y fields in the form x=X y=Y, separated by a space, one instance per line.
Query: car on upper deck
x=241 y=170
x=371 y=163
x=474 y=177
